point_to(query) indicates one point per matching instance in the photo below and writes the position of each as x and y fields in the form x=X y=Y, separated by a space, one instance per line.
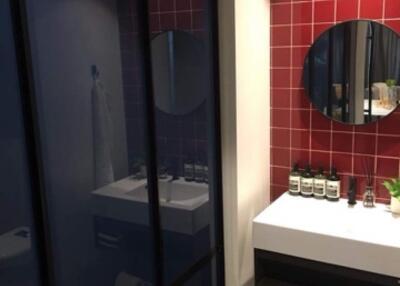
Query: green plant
x=390 y=82
x=393 y=186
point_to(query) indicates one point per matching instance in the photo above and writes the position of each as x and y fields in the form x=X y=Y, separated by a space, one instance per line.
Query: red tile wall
x=299 y=133
x=186 y=15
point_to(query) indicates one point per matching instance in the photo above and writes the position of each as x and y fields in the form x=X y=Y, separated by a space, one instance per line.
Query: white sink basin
x=331 y=232
x=183 y=205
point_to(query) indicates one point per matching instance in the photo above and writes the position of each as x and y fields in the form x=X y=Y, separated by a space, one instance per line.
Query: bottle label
x=319 y=187
x=294 y=184
x=188 y=169
x=333 y=189
x=307 y=186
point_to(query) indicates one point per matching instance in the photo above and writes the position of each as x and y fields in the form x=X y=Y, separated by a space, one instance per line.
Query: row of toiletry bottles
x=197 y=172
x=320 y=186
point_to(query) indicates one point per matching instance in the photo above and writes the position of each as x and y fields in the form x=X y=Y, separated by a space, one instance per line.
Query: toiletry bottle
x=333 y=186
x=205 y=173
x=198 y=172
x=188 y=169
x=294 y=181
x=306 y=182
x=319 y=190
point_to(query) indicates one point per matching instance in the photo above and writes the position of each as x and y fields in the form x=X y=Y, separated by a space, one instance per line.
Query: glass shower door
x=184 y=66
x=88 y=70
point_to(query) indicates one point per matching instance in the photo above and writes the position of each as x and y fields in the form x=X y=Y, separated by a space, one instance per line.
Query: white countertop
x=331 y=232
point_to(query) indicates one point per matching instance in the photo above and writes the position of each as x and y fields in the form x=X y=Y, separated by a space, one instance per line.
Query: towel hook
x=95 y=72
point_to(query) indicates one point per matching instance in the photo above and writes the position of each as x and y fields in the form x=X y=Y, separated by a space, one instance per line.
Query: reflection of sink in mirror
x=176 y=193
x=183 y=205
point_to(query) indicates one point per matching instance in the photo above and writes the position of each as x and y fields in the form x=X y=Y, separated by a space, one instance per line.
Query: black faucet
x=351 y=193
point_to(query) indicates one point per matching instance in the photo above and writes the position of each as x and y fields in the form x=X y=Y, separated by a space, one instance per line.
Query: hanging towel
x=102 y=136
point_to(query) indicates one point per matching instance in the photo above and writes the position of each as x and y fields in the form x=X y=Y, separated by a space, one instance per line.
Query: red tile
x=197 y=4
x=280 y=138
x=280 y=57
x=320 y=159
x=280 y=36
x=320 y=28
x=371 y=9
x=387 y=168
x=347 y=10
x=280 y=176
x=280 y=78
x=167 y=21
x=361 y=182
x=280 y=157
x=280 y=1
x=320 y=121
x=166 y=5
x=324 y=11
x=301 y=35
x=198 y=20
x=360 y=162
x=297 y=78
x=320 y=140
x=182 y=5
x=280 y=98
x=300 y=99
x=342 y=142
x=390 y=124
x=342 y=162
x=298 y=57
x=394 y=24
x=300 y=139
x=366 y=128
x=338 y=126
x=281 y=14
x=280 y=118
x=300 y=157
x=154 y=23
x=302 y=13
x=364 y=144
x=277 y=191
x=184 y=20
x=300 y=119
x=153 y=6
x=389 y=146
x=392 y=9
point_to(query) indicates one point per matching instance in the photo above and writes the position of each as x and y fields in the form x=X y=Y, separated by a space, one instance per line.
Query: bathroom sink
x=175 y=194
x=332 y=232
x=183 y=205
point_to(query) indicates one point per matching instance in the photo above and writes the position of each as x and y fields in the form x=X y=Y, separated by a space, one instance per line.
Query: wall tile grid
x=178 y=136
x=299 y=133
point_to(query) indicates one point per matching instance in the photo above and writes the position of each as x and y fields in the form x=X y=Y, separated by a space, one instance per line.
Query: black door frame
x=32 y=133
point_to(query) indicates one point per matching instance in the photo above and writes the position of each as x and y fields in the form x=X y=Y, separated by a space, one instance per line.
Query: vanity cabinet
x=275 y=269
x=304 y=241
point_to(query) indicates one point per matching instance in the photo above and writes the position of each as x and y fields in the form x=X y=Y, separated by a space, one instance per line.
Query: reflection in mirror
x=179 y=72
x=352 y=72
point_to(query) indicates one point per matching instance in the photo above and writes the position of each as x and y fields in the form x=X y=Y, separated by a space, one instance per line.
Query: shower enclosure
x=110 y=158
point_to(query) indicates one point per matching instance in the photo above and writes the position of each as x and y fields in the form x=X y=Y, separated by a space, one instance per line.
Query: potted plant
x=393 y=186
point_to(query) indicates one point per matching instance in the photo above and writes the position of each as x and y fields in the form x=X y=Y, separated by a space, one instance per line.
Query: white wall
x=244 y=56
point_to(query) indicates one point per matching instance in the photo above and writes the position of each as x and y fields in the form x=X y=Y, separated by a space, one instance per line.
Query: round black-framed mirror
x=179 y=72
x=352 y=72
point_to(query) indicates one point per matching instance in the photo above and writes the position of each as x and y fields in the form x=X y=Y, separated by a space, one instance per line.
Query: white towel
x=102 y=136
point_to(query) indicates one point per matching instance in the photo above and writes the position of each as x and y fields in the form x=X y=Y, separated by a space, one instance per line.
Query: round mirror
x=352 y=72
x=179 y=72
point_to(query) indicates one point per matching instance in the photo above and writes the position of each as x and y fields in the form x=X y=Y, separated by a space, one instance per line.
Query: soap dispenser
x=306 y=182
x=319 y=190
x=294 y=181
x=333 y=186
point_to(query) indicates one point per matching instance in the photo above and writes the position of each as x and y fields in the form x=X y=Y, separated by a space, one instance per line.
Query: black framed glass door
x=132 y=190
